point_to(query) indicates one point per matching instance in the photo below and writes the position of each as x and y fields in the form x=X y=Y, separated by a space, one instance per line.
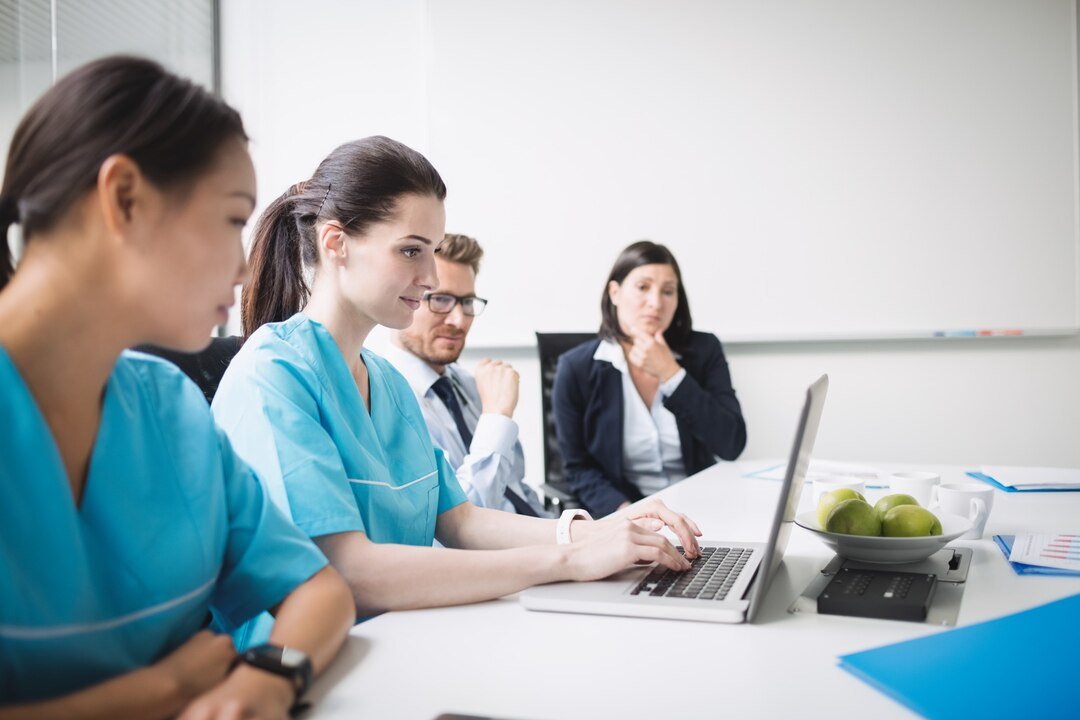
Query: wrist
x=275 y=688
x=562 y=566
x=165 y=689
x=582 y=530
x=494 y=408
x=563 y=530
x=566 y=564
x=280 y=664
x=670 y=371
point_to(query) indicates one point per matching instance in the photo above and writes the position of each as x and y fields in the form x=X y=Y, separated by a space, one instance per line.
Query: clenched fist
x=498 y=384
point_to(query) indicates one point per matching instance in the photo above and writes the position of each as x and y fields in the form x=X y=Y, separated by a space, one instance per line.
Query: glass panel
x=177 y=33
x=25 y=61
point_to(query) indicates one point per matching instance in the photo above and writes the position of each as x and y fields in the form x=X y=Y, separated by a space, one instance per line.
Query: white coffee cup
x=834 y=482
x=916 y=484
x=970 y=500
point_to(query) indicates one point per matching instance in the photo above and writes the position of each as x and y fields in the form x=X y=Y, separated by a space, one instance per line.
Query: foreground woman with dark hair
x=650 y=401
x=127 y=522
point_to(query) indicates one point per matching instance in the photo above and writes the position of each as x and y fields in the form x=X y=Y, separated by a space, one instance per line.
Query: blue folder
x=1009 y=488
x=1005 y=542
x=1017 y=666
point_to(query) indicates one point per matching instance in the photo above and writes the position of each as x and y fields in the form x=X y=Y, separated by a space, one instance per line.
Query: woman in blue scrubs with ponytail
x=127 y=522
x=336 y=432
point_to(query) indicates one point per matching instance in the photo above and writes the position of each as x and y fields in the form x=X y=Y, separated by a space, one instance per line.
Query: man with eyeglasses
x=470 y=417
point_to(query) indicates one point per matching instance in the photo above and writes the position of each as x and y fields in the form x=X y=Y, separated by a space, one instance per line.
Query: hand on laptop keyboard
x=710 y=577
x=615 y=545
x=646 y=512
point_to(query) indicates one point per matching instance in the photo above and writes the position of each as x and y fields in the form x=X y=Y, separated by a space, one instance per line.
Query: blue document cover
x=1005 y=542
x=1008 y=488
x=1017 y=666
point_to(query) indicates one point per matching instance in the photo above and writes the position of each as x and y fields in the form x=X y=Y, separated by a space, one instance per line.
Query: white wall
x=768 y=142
x=309 y=76
x=308 y=79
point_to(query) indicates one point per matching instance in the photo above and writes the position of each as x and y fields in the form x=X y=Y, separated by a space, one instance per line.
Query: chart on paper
x=1058 y=551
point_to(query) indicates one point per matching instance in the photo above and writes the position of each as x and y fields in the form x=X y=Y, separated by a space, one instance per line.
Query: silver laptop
x=726 y=584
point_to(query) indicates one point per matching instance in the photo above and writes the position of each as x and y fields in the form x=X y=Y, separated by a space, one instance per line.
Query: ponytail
x=276 y=290
x=9 y=215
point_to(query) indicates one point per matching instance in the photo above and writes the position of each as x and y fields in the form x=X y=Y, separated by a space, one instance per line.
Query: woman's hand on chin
x=650 y=353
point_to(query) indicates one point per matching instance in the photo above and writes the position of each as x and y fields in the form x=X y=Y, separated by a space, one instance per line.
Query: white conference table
x=498 y=659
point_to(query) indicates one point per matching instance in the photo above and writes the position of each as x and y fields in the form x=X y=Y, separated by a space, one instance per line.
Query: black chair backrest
x=207 y=367
x=550 y=347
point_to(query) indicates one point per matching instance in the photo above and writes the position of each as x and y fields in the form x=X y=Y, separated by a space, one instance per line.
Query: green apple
x=910 y=521
x=854 y=517
x=831 y=499
x=888 y=502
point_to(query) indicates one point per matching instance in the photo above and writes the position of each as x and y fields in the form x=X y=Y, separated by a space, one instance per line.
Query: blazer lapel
x=686 y=440
x=607 y=402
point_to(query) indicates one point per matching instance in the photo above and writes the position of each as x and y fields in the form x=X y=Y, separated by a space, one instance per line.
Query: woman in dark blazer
x=649 y=401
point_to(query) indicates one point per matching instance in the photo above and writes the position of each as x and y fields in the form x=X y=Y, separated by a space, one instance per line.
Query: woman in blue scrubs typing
x=127 y=522
x=336 y=432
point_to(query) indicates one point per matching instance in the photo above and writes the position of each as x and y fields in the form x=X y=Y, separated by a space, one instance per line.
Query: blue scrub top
x=291 y=407
x=172 y=526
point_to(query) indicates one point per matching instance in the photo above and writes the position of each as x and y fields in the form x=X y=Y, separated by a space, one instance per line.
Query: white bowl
x=887 y=549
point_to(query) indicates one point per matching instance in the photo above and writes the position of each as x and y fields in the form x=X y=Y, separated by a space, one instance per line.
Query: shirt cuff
x=667 y=388
x=495 y=433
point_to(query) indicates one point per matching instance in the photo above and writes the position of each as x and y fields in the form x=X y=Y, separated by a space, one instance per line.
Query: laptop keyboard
x=710 y=577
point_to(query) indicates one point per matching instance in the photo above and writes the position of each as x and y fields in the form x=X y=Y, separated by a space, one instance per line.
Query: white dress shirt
x=495 y=460
x=652 y=451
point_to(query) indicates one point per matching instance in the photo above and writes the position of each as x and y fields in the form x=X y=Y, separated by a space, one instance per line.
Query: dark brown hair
x=358 y=184
x=646 y=252
x=169 y=126
x=461 y=249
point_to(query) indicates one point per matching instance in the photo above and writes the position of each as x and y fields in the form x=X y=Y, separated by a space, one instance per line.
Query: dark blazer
x=587 y=402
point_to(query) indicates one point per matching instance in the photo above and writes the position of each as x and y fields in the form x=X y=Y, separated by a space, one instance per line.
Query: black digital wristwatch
x=292 y=664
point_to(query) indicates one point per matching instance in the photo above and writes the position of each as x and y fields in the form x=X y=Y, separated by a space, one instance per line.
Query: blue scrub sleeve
x=272 y=414
x=450 y=493
x=266 y=556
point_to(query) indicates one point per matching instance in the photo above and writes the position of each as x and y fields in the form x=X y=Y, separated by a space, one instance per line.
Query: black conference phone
x=886 y=594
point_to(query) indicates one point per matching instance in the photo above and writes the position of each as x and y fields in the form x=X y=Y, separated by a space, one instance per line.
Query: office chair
x=557 y=493
x=205 y=368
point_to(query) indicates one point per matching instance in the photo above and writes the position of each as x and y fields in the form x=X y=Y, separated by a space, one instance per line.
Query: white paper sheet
x=1056 y=551
x=825 y=468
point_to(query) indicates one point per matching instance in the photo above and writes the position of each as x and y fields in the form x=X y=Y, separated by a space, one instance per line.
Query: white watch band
x=562 y=530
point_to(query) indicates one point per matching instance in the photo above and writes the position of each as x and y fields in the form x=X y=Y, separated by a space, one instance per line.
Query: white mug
x=970 y=500
x=834 y=482
x=916 y=484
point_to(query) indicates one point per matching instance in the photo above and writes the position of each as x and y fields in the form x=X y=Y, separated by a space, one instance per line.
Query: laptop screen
x=788 y=502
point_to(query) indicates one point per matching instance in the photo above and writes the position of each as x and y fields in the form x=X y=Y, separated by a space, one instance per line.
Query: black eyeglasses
x=442 y=303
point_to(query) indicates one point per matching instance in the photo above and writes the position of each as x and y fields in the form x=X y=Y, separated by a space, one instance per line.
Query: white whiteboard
x=825 y=168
